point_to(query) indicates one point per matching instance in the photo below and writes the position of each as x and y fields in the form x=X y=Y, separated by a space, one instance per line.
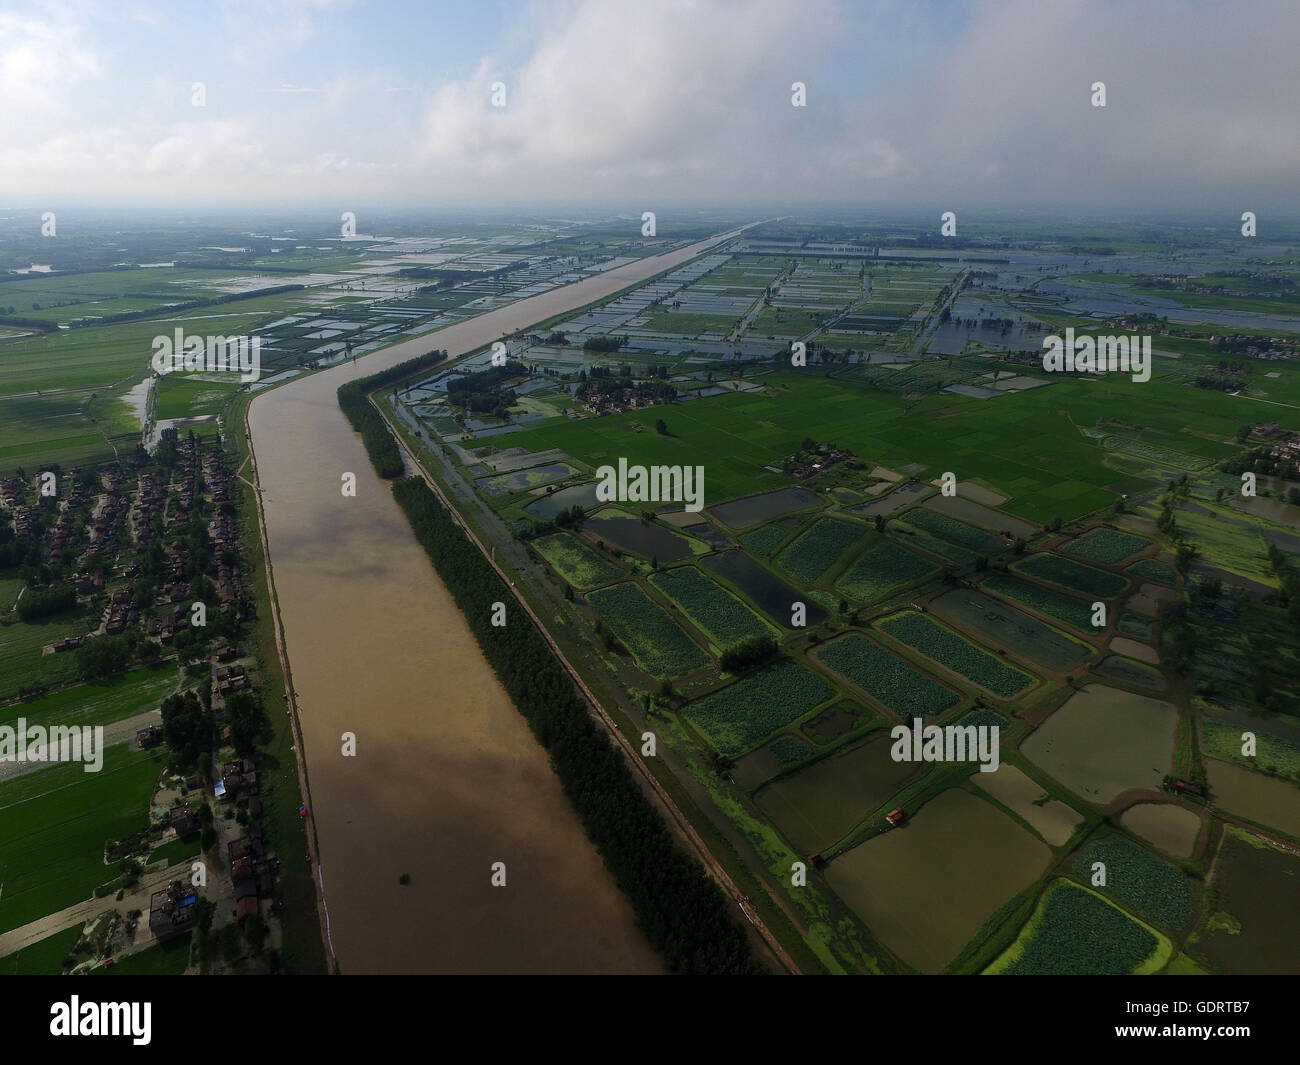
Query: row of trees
x=682 y=912
x=366 y=420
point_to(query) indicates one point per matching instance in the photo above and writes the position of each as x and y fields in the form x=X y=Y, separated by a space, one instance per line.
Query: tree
x=661 y=427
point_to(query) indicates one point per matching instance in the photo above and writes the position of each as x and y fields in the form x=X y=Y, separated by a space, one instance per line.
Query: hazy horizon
x=684 y=104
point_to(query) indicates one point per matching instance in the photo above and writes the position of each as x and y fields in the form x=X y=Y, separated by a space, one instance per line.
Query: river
x=447 y=779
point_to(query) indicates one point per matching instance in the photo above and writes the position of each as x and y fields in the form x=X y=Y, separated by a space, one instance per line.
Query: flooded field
x=742 y=513
x=1024 y=636
x=925 y=889
x=579 y=495
x=1171 y=828
x=1254 y=929
x=1104 y=741
x=1052 y=820
x=1254 y=796
x=632 y=534
x=816 y=806
x=774 y=597
x=447 y=779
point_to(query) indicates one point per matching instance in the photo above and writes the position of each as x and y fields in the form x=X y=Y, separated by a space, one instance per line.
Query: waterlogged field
x=1074 y=932
x=883 y=568
x=1050 y=818
x=1105 y=741
x=722 y=617
x=1166 y=825
x=926 y=889
x=903 y=689
x=1076 y=613
x=818 y=805
x=1026 y=637
x=946 y=528
x=739 y=715
x=1072 y=575
x=655 y=640
x=1137 y=880
x=772 y=596
x=1264 y=800
x=815 y=550
x=1253 y=929
x=1128 y=671
x=1107 y=546
x=945 y=647
x=577 y=563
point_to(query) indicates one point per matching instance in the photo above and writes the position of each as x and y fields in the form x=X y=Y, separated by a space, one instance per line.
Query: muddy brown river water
x=447 y=779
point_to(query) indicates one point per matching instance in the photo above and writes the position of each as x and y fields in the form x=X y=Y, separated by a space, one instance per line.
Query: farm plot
x=1222 y=740
x=1074 y=931
x=1264 y=800
x=735 y=718
x=945 y=647
x=1129 y=671
x=750 y=510
x=575 y=561
x=1104 y=741
x=886 y=678
x=1077 y=613
x=1050 y=818
x=56 y=821
x=1168 y=826
x=772 y=596
x=925 y=890
x=882 y=569
x=820 y=803
x=1072 y=575
x=1258 y=889
x=1151 y=570
x=722 y=617
x=1106 y=546
x=815 y=550
x=950 y=529
x=765 y=539
x=1026 y=637
x=1137 y=880
x=656 y=641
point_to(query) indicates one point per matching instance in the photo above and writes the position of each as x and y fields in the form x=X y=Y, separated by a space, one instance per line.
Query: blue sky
x=636 y=102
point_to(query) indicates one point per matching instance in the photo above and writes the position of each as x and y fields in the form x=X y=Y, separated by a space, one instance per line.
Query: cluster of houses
x=822 y=462
x=1253 y=347
x=171 y=910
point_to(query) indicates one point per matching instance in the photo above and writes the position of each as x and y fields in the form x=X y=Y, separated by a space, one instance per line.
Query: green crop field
x=947 y=528
x=21 y=663
x=901 y=687
x=580 y=565
x=1076 y=613
x=764 y=539
x=722 y=617
x=944 y=646
x=1074 y=932
x=181 y=396
x=42 y=958
x=884 y=568
x=57 y=822
x=740 y=715
x=122 y=696
x=815 y=550
x=1151 y=570
x=1224 y=741
x=1000 y=443
x=1072 y=575
x=1139 y=881
x=1107 y=546
x=656 y=641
